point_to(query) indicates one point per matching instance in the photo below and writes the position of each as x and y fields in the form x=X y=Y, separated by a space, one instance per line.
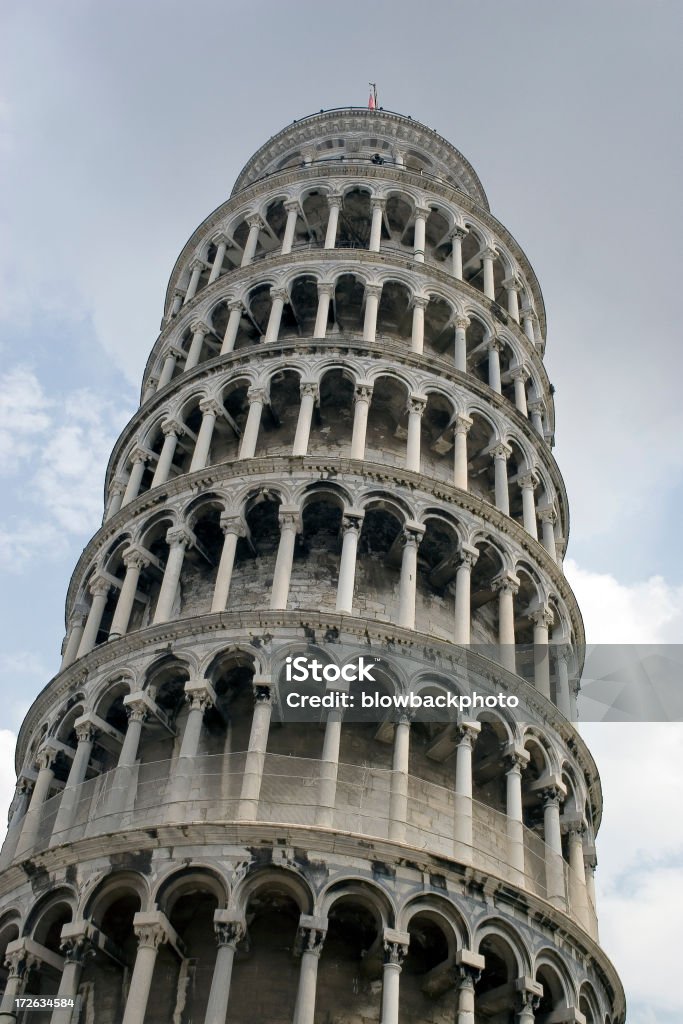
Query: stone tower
x=343 y=447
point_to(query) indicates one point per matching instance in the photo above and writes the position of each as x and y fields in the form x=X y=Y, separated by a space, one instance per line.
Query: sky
x=123 y=124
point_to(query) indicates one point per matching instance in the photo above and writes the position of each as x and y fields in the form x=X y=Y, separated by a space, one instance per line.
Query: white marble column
x=199 y=332
x=395 y=952
x=152 y=930
x=500 y=453
x=19 y=963
x=516 y=761
x=256 y=753
x=289 y=526
x=257 y=398
x=139 y=458
x=463 y=582
x=293 y=210
x=236 y=307
x=578 y=896
x=562 y=653
x=18 y=808
x=200 y=696
x=179 y=539
x=135 y=560
x=278 y=298
x=456 y=236
x=520 y=375
x=171 y=429
x=536 y=413
x=528 y=482
x=74 y=635
x=178 y=297
x=487 y=257
x=528 y=318
x=116 y=492
x=378 y=205
x=462 y=831
x=41 y=792
x=416 y=407
x=168 y=369
x=325 y=293
x=308 y=390
x=255 y=224
x=398 y=798
x=468 y=971
x=233 y=528
x=329 y=764
x=542 y=618
x=552 y=835
x=99 y=588
x=548 y=516
x=210 y=409
x=75 y=946
x=407 y=587
x=460 y=432
x=196 y=268
x=507 y=586
x=229 y=933
x=420 y=303
x=85 y=734
x=334 y=203
x=221 y=243
x=513 y=286
x=461 y=325
x=351 y=527
x=362 y=399
x=421 y=214
x=494 y=349
x=372 y=297
x=528 y=1001
x=310 y=940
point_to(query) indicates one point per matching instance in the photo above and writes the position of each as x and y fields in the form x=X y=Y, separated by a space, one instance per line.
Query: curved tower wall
x=344 y=442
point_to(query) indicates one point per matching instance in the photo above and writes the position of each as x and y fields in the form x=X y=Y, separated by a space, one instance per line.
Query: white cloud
x=8 y=742
x=647 y=612
x=24 y=417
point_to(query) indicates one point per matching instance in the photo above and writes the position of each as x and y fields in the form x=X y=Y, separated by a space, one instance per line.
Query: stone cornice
x=368 y=172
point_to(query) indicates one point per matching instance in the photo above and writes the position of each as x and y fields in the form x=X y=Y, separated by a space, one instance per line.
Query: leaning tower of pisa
x=343 y=449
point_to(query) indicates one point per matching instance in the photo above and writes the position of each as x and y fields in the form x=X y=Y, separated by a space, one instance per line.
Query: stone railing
x=351 y=800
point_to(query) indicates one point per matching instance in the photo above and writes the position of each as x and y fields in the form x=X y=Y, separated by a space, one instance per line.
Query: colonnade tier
x=407 y=944
x=340 y=297
x=343 y=405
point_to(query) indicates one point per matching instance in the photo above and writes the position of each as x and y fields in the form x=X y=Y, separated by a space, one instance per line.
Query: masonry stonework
x=344 y=441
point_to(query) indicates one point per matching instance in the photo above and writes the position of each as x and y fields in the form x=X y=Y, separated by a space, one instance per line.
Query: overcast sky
x=122 y=125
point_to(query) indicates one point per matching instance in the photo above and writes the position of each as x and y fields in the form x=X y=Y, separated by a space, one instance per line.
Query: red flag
x=371 y=102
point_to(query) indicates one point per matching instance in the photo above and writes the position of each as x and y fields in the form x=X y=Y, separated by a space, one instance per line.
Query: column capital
x=422 y=211
x=234 y=304
x=352 y=522
x=462 y=423
x=528 y=480
x=547 y=514
x=118 y=486
x=462 y=322
x=262 y=690
x=220 y=238
x=500 y=450
x=174 y=427
x=279 y=293
x=199 y=327
x=211 y=406
x=495 y=344
x=180 y=536
x=395 y=946
x=334 y=199
x=257 y=394
x=86 y=732
x=378 y=202
x=136 y=557
x=363 y=393
x=289 y=517
x=542 y=616
x=420 y=301
x=506 y=582
x=229 y=933
x=176 y=352
x=197 y=264
x=552 y=796
x=199 y=694
x=254 y=220
x=537 y=407
x=18 y=960
x=137 y=710
x=413 y=533
x=45 y=758
x=311 y=934
x=513 y=284
x=416 y=403
x=309 y=387
x=76 y=945
x=467 y=555
x=99 y=586
x=373 y=291
x=291 y=205
x=231 y=523
x=529 y=314
x=520 y=372
x=151 y=930
x=325 y=288
x=467 y=733
x=140 y=454
x=488 y=253
x=458 y=232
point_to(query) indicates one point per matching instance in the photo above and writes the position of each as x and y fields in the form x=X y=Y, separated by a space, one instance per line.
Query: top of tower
x=363 y=134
